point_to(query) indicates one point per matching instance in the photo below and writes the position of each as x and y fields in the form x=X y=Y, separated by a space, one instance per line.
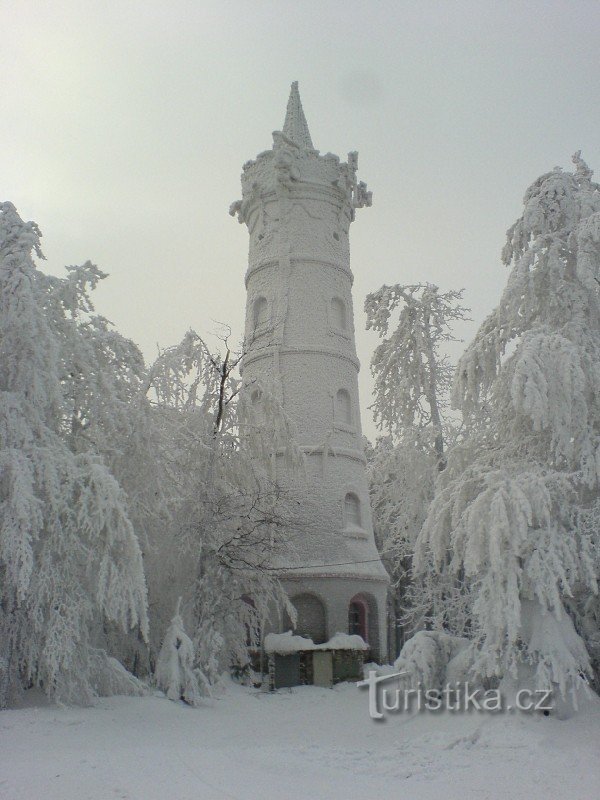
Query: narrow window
x=258 y=411
x=338 y=313
x=357 y=619
x=261 y=311
x=343 y=407
x=352 y=511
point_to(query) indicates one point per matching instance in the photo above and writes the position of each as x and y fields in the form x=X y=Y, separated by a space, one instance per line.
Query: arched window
x=343 y=407
x=261 y=312
x=310 y=620
x=338 y=313
x=363 y=620
x=352 y=517
x=357 y=618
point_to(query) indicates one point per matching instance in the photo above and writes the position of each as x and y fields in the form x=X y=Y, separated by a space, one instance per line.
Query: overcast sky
x=124 y=127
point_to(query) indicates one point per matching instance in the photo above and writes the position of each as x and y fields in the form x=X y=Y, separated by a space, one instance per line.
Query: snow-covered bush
x=109 y=677
x=434 y=659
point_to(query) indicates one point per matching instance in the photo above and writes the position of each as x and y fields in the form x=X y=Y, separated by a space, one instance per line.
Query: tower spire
x=295 y=126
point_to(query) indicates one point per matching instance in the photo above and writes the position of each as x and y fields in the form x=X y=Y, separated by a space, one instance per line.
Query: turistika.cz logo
x=458 y=698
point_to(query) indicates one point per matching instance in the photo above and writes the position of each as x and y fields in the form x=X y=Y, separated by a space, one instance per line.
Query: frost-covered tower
x=298 y=206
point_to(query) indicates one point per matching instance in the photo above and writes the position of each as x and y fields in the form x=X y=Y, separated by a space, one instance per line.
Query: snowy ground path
x=305 y=744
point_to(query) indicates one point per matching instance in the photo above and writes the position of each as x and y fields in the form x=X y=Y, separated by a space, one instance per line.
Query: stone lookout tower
x=298 y=206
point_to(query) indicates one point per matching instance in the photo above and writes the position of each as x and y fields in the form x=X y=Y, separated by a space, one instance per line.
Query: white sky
x=124 y=127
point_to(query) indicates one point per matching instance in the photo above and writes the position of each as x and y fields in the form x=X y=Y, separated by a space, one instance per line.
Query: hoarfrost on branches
x=412 y=374
x=69 y=558
x=229 y=519
x=512 y=518
x=412 y=380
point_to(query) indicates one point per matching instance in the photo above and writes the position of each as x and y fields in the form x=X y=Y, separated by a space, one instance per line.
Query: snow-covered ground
x=293 y=745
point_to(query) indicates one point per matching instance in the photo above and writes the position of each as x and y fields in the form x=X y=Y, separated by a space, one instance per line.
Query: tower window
x=343 y=407
x=258 y=411
x=352 y=517
x=261 y=312
x=357 y=619
x=338 y=313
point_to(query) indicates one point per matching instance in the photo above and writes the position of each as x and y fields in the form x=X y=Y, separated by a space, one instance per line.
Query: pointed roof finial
x=295 y=126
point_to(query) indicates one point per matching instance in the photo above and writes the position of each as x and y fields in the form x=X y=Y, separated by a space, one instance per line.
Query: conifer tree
x=175 y=673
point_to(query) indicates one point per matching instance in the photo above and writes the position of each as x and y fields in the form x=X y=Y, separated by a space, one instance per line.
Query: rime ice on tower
x=298 y=206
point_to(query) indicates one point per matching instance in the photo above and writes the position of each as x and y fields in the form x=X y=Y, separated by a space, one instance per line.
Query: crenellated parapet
x=300 y=172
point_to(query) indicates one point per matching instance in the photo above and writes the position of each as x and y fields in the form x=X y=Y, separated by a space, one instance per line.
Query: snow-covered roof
x=287 y=643
x=284 y=643
x=344 y=641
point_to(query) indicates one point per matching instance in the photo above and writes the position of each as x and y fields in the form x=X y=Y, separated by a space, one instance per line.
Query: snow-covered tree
x=105 y=384
x=98 y=451
x=513 y=517
x=175 y=672
x=69 y=557
x=412 y=380
x=229 y=518
x=411 y=371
